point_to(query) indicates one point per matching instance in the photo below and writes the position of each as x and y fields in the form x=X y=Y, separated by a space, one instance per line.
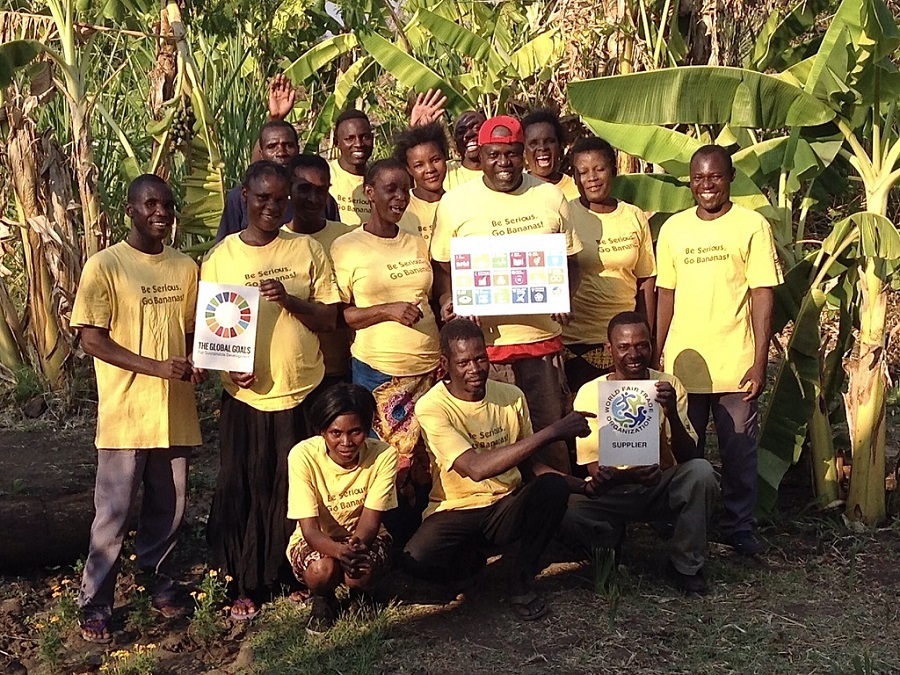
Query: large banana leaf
x=461 y=40
x=347 y=88
x=775 y=46
x=319 y=56
x=15 y=55
x=653 y=192
x=794 y=394
x=668 y=148
x=410 y=72
x=537 y=54
x=698 y=95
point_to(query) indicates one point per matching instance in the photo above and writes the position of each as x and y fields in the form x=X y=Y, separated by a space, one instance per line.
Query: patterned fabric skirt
x=302 y=555
x=396 y=425
x=584 y=363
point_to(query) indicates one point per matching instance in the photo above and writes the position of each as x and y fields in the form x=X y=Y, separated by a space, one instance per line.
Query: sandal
x=300 y=597
x=95 y=630
x=246 y=610
x=168 y=607
x=528 y=607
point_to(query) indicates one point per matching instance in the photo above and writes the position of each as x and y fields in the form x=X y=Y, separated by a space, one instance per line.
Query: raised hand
x=429 y=107
x=282 y=97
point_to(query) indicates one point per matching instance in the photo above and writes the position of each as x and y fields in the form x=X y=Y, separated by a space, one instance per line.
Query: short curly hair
x=412 y=137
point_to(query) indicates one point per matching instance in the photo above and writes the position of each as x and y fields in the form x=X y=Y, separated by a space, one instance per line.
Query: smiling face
x=389 y=194
x=465 y=134
x=542 y=150
x=278 y=145
x=355 y=142
x=711 y=184
x=344 y=438
x=502 y=164
x=153 y=212
x=428 y=166
x=267 y=199
x=467 y=368
x=593 y=175
x=631 y=350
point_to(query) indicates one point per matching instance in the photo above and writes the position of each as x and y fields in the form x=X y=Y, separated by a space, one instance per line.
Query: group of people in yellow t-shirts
x=380 y=428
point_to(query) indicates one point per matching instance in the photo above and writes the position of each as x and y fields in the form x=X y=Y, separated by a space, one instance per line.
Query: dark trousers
x=446 y=543
x=737 y=427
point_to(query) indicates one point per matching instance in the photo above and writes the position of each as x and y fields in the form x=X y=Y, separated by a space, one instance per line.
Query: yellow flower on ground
x=141 y=589
x=132 y=557
x=201 y=596
x=54 y=618
x=229 y=578
x=213 y=573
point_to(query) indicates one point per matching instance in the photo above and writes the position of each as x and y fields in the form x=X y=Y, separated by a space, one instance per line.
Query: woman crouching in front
x=340 y=483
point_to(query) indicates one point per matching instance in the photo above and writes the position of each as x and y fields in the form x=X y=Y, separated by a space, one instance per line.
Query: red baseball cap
x=486 y=132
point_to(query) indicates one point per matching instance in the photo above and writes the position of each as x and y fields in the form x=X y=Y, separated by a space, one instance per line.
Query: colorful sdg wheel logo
x=629 y=410
x=227 y=315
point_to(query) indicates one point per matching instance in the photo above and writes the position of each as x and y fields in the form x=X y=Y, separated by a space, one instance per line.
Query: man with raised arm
x=681 y=489
x=135 y=314
x=478 y=433
x=717 y=267
x=524 y=350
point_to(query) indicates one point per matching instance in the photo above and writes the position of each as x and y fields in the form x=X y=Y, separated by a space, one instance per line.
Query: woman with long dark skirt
x=263 y=413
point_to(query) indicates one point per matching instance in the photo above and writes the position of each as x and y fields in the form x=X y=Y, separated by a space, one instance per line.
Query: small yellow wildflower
x=66 y=582
x=132 y=557
x=141 y=589
x=55 y=587
x=39 y=626
x=229 y=578
x=54 y=618
x=151 y=645
x=56 y=594
x=120 y=654
x=201 y=596
x=193 y=594
x=213 y=573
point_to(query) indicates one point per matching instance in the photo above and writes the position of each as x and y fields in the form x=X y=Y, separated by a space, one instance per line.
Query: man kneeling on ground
x=478 y=432
x=682 y=488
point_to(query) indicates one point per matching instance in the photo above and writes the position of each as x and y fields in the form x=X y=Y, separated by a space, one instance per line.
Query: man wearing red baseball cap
x=524 y=350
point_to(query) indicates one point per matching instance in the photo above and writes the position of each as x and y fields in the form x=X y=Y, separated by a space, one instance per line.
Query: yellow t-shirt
x=473 y=209
x=347 y=190
x=318 y=487
x=148 y=303
x=712 y=265
x=457 y=174
x=588 y=400
x=419 y=217
x=335 y=345
x=288 y=363
x=567 y=186
x=373 y=270
x=452 y=426
x=618 y=250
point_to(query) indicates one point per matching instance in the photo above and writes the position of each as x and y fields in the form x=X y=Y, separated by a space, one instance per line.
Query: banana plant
x=839 y=105
x=478 y=55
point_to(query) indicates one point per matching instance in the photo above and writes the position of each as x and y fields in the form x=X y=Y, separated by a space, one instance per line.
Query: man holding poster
x=524 y=349
x=681 y=487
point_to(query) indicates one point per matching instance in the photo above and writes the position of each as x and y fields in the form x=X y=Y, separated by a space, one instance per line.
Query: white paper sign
x=628 y=418
x=512 y=274
x=225 y=331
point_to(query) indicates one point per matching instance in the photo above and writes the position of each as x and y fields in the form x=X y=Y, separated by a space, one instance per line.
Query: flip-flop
x=95 y=630
x=528 y=607
x=248 y=605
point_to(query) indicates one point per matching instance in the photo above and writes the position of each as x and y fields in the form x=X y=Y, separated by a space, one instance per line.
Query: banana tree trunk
x=12 y=346
x=865 y=401
x=96 y=231
x=824 y=464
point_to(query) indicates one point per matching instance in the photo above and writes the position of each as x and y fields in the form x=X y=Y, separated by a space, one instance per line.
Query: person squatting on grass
x=340 y=483
x=478 y=434
x=134 y=311
x=681 y=489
